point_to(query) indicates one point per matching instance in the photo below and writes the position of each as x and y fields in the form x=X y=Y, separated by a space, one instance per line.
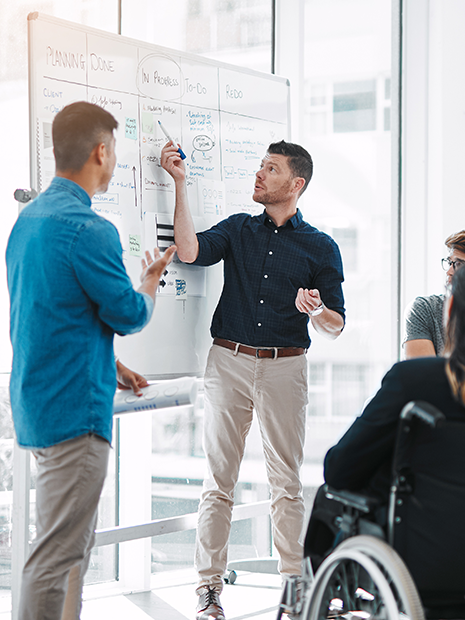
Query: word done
x=97 y=63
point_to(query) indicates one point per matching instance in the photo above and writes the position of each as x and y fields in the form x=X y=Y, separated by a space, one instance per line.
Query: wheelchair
x=357 y=550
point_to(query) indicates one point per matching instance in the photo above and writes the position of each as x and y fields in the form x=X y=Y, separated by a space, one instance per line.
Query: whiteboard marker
x=173 y=141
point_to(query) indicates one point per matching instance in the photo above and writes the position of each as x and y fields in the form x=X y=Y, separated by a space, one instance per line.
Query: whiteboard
x=223 y=116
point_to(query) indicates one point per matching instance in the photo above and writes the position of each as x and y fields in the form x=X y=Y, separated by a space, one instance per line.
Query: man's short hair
x=77 y=129
x=456 y=241
x=299 y=160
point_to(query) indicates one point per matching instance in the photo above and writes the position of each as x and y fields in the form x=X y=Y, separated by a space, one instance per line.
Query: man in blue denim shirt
x=280 y=273
x=70 y=294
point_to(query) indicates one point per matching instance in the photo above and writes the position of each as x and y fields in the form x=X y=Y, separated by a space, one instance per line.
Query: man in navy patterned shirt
x=279 y=273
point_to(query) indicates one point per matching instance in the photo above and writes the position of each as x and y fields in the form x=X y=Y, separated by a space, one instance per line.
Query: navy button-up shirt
x=69 y=294
x=264 y=266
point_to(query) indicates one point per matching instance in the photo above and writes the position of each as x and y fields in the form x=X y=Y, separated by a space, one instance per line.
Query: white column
x=289 y=57
x=20 y=533
x=135 y=498
x=415 y=148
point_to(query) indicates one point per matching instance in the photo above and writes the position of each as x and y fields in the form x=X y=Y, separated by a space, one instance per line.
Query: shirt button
x=259 y=324
x=261 y=301
x=270 y=253
x=276 y=231
x=265 y=276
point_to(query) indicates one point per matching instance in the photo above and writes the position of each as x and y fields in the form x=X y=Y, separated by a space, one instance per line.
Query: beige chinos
x=235 y=386
x=70 y=477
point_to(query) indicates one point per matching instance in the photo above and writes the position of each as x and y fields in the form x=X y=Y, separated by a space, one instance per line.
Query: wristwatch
x=318 y=310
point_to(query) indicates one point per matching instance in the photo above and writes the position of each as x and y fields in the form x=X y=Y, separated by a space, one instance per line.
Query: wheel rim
x=363 y=578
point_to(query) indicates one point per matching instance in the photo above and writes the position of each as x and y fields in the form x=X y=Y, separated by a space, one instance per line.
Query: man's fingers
x=168 y=255
x=169 y=252
x=135 y=387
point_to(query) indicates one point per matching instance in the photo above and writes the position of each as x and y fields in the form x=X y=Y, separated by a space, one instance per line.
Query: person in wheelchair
x=427 y=530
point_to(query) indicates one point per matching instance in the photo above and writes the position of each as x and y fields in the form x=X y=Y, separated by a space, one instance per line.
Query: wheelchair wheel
x=363 y=579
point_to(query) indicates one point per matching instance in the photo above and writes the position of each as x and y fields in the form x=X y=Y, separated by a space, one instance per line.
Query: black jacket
x=361 y=460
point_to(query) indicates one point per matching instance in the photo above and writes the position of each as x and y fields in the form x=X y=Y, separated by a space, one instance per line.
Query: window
x=347 y=93
x=349 y=389
x=346 y=238
x=354 y=106
x=387 y=104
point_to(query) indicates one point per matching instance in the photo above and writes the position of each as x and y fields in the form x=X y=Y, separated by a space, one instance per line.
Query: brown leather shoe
x=209 y=607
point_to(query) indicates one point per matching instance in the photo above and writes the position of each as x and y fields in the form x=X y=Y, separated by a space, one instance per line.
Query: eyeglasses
x=447 y=263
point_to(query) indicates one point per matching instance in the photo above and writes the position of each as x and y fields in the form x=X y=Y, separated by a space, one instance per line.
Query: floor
x=173 y=598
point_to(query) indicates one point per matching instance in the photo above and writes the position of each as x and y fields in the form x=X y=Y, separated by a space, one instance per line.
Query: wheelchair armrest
x=363 y=503
x=427 y=413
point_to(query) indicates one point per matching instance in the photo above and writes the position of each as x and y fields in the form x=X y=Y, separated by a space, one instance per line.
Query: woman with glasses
x=424 y=332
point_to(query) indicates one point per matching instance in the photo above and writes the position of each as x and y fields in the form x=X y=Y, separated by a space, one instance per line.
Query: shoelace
x=212 y=597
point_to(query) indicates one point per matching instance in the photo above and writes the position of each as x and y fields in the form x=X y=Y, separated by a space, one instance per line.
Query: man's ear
x=100 y=153
x=299 y=183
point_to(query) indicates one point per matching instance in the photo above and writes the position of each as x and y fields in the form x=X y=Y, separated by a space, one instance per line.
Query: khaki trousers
x=70 y=477
x=235 y=385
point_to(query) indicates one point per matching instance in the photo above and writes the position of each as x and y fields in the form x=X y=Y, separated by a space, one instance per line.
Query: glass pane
x=234 y=31
x=6 y=486
x=387 y=119
x=349 y=198
x=177 y=473
x=349 y=388
x=354 y=106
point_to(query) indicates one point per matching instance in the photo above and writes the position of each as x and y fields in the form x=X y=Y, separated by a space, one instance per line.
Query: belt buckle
x=273 y=357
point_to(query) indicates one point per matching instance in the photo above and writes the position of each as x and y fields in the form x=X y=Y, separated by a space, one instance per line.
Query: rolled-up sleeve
x=329 y=279
x=100 y=271
x=214 y=244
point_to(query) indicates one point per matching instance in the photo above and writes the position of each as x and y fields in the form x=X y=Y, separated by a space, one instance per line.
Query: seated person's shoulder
x=425 y=304
x=420 y=371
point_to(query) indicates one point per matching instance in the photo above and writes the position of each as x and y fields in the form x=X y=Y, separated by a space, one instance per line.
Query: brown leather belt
x=260 y=353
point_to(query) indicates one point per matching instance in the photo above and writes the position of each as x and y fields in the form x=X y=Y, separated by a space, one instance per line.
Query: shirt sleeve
x=329 y=279
x=418 y=325
x=369 y=442
x=100 y=271
x=214 y=244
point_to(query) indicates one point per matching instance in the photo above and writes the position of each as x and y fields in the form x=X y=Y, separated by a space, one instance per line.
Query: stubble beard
x=277 y=197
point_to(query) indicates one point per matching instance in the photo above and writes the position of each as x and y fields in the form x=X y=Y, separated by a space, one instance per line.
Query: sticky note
x=135 y=245
x=131 y=128
x=47 y=127
x=147 y=122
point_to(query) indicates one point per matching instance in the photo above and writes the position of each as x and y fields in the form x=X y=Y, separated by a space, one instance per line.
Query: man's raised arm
x=184 y=231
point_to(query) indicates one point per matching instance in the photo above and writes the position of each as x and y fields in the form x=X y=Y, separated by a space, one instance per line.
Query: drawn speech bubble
x=202 y=143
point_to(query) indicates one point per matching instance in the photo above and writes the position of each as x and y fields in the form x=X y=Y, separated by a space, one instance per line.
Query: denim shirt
x=264 y=267
x=69 y=295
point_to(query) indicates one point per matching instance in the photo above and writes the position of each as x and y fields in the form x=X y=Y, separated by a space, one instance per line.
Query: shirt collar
x=294 y=221
x=74 y=188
